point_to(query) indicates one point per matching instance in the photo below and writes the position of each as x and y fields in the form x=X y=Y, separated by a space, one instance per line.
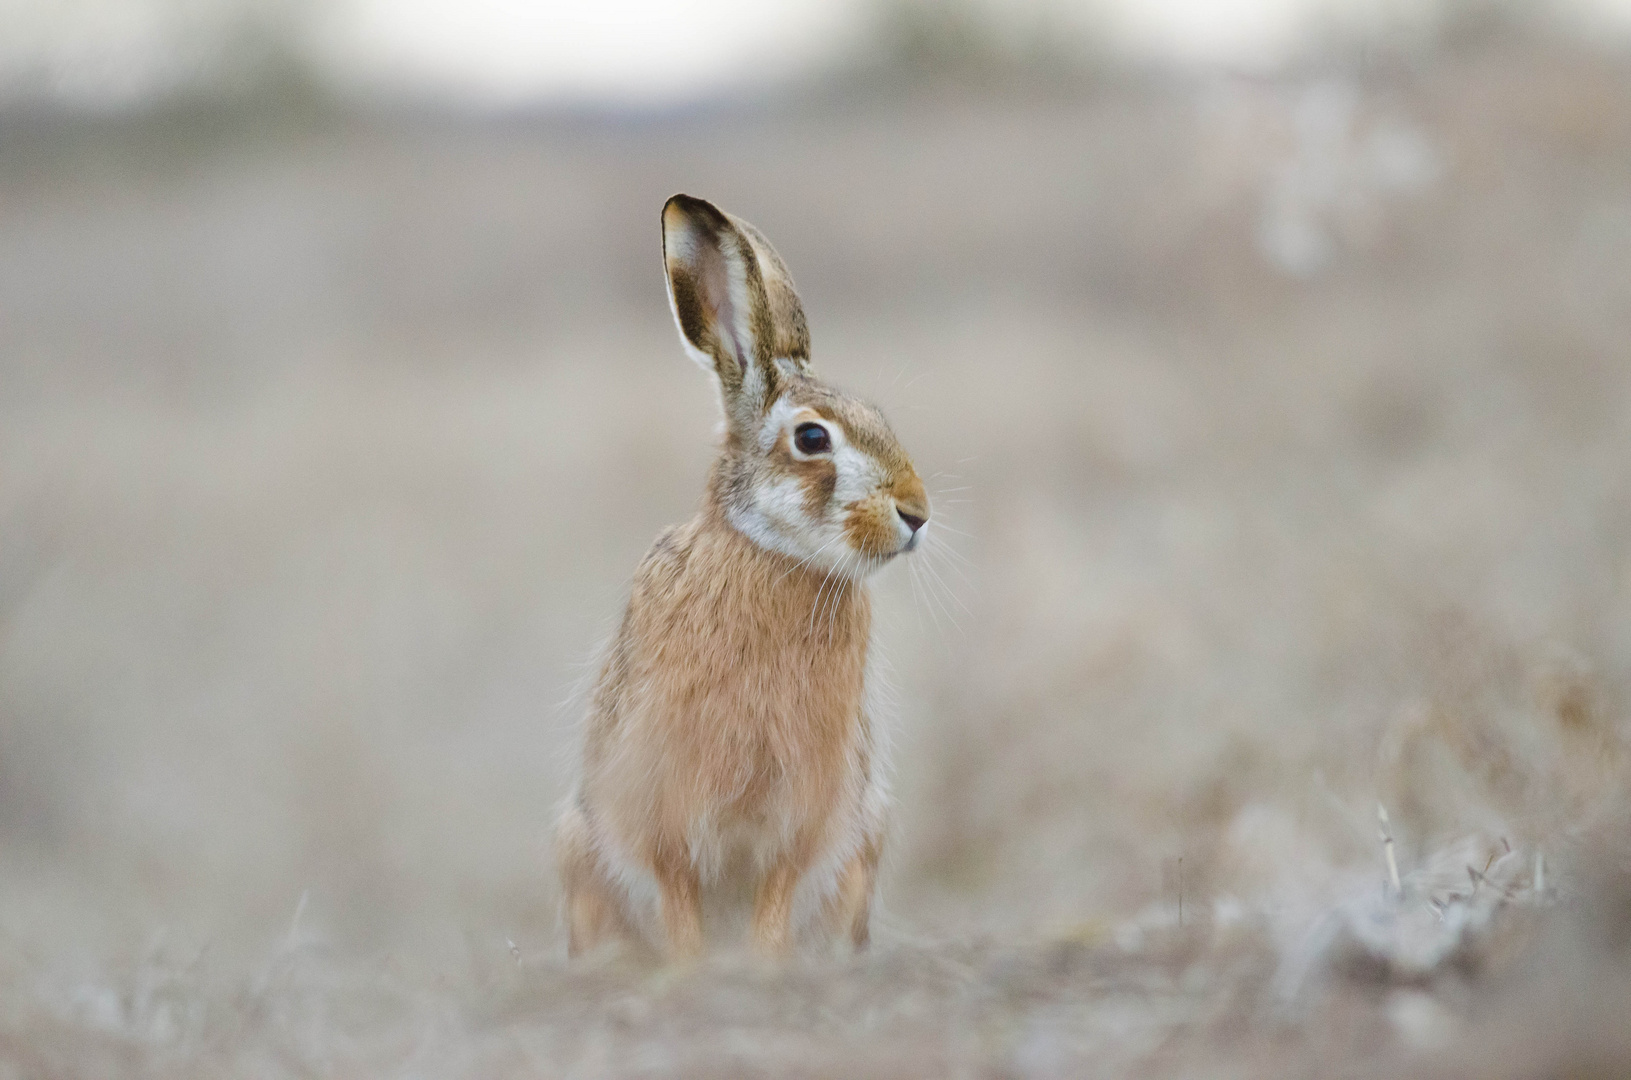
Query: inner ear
x=715 y=283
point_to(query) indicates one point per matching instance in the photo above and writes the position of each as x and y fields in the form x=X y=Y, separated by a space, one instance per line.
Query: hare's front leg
x=849 y=908
x=679 y=893
x=773 y=906
x=772 y=930
x=592 y=902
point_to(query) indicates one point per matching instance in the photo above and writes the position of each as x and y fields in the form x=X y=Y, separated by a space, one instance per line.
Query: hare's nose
x=911 y=503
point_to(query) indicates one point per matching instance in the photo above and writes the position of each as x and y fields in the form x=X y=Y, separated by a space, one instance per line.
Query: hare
x=728 y=743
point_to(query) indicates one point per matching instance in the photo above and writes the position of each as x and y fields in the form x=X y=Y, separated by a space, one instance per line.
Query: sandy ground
x=1280 y=440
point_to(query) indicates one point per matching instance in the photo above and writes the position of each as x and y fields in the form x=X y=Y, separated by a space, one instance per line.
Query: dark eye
x=812 y=439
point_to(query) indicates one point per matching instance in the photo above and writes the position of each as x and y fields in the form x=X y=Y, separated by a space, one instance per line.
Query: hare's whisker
x=929 y=604
x=947 y=589
x=917 y=595
x=942 y=549
x=831 y=575
x=832 y=611
x=805 y=561
x=935 y=586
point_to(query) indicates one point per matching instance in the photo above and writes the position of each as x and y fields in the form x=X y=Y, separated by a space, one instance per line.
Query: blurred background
x=1270 y=361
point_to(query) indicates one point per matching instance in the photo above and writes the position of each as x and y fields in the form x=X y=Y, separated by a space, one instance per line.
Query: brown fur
x=729 y=726
x=736 y=705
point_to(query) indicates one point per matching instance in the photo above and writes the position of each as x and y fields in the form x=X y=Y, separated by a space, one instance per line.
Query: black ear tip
x=689 y=206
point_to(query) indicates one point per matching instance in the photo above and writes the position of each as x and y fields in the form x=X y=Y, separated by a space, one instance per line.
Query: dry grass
x=1281 y=434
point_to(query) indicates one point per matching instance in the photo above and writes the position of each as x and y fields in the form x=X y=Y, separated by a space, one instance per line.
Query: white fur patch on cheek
x=775 y=519
x=783 y=504
x=778 y=519
x=858 y=475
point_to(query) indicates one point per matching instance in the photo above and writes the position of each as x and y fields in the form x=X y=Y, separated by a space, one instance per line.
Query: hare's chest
x=764 y=783
x=766 y=724
x=768 y=720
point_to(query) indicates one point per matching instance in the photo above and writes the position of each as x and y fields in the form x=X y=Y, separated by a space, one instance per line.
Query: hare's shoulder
x=671 y=545
x=665 y=570
x=669 y=554
x=708 y=562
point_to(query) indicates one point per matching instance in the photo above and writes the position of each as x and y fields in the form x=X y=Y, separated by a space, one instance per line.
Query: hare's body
x=729 y=732
x=773 y=765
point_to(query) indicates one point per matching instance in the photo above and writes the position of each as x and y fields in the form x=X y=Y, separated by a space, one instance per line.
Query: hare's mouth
x=902 y=547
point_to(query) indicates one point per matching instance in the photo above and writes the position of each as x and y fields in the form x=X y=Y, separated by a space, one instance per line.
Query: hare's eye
x=812 y=439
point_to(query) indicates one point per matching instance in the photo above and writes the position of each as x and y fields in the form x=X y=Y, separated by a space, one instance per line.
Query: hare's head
x=806 y=470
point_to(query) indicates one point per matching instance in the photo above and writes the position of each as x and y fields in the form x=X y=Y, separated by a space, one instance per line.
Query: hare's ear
x=734 y=303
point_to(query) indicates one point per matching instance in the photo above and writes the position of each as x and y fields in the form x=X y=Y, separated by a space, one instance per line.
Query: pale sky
x=507 y=51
